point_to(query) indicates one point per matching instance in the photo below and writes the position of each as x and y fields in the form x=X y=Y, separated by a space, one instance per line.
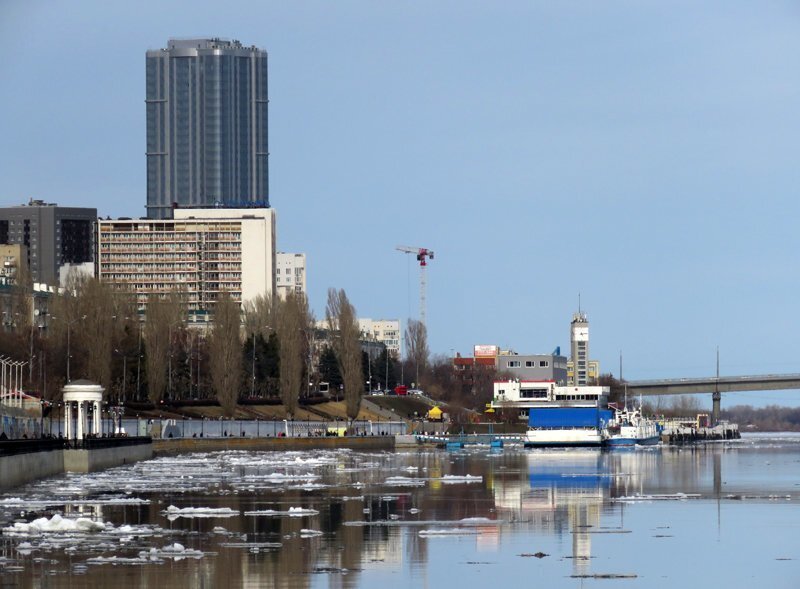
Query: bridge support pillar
x=715 y=403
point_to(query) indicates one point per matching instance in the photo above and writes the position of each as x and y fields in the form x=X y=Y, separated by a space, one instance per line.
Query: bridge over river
x=716 y=385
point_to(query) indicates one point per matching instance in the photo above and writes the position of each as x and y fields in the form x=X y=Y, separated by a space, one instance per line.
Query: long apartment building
x=199 y=253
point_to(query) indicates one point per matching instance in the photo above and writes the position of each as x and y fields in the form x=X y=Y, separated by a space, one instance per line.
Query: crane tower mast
x=423 y=254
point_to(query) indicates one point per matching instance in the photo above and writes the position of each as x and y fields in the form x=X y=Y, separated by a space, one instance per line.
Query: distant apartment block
x=199 y=254
x=385 y=331
x=52 y=235
x=290 y=273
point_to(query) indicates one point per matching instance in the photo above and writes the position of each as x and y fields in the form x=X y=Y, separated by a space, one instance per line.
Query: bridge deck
x=723 y=384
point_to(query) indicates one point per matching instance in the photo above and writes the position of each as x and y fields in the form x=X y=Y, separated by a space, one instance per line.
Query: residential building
x=53 y=236
x=385 y=331
x=207 y=146
x=290 y=273
x=199 y=254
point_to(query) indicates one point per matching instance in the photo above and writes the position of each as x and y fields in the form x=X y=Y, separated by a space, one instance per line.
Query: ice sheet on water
x=176 y=512
x=306 y=533
x=291 y=512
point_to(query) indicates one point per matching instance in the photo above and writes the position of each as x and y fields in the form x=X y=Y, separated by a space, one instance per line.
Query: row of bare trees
x=94 y=331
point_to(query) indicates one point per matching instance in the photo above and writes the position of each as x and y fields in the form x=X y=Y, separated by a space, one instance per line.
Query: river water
x=716 y=515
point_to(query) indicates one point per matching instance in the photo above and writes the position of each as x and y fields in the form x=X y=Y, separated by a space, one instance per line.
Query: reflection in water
x=370 y=512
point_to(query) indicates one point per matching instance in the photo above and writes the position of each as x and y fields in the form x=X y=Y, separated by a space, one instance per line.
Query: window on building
x=544 y=363
x=513 y=363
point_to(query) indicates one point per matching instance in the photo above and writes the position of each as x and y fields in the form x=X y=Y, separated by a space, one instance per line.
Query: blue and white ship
x=630 y=428
x=558 y=416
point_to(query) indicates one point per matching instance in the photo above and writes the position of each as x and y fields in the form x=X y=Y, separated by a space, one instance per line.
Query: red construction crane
x=423 y=255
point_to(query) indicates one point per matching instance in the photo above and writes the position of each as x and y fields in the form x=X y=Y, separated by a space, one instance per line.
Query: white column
x=67 y=419
x=81 y=419
x=96 y=418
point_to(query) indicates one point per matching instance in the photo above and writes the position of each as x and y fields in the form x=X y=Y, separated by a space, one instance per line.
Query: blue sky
x=640 y=153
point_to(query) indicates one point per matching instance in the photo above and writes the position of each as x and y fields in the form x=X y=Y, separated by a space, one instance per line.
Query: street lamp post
x=121 y=398
x=69 y=334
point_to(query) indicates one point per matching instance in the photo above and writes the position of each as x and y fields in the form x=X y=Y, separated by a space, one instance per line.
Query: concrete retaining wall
x=180 y=446
x=18 y=469
x=22 y=468
x=98 y=459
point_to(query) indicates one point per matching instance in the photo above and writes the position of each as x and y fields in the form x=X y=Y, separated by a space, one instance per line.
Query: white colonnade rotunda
x=82 y=395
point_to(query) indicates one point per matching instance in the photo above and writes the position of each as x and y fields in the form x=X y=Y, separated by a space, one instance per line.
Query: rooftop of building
x=206 y=44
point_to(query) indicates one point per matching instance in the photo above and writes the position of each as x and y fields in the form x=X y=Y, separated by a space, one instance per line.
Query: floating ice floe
x=174 y=551
x=252 y=545
x=450 y=479
x=658 y=497
x=466 y=522
x=359 y=498
x=413 y=510
x=291 y=512
x=98 y=560
x=405 y=482
x=173 y=512
x=305 y=533
x=448 y=532
x=55 y=524
x=38 y=503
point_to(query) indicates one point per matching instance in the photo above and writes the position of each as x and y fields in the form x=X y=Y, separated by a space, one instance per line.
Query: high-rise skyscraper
x=206 y=126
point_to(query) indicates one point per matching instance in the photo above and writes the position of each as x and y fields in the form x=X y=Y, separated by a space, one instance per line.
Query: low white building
x=290 y=273
x=532 y=393
x=199 y=253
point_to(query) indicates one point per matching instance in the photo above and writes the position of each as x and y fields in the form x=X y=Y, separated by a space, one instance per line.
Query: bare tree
x=417 y=347
x=98 y=326
x=292 y=334
x=225 y=350
x=163 y=316
x=342 y=321
x=261 y=315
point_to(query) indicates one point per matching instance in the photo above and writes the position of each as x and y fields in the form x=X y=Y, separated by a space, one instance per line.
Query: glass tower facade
x=206 y=126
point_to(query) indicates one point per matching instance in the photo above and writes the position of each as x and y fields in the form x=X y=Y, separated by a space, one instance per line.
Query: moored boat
x=630 y=428
x=566 y=427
